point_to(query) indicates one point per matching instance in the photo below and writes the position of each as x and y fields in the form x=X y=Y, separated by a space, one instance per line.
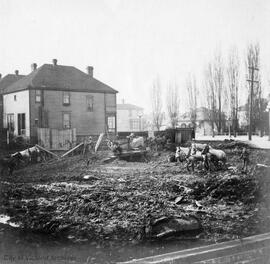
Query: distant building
x=130 y=118
x=58 y=97
x=203 y=124
x=4 y=83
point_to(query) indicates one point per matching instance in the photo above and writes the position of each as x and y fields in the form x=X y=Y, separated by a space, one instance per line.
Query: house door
x=21 y=124
x=111 y=126
x=10 y=122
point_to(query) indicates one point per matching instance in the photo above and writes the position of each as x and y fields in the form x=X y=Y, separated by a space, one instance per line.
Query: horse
x=200 y=146
x=10 y=162
x=215 y=156
x=193 y=157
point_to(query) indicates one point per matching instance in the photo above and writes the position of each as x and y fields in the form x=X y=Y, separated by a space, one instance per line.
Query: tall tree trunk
x=219 y=115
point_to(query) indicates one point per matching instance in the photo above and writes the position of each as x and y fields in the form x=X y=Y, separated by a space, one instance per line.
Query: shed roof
x=59 y=77
x=8 y=80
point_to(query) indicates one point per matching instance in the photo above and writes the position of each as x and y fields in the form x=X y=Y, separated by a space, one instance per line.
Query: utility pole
x=268 y=108
x=252 y=81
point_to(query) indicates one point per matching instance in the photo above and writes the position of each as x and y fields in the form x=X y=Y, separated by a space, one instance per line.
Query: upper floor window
x=66 y=120
x=38 y=96
x=90 y=103
x=66 y=98
x=15 y=97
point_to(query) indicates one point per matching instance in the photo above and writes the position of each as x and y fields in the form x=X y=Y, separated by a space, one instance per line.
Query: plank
x=53 y=154
x=71 y=150
x=99 y=141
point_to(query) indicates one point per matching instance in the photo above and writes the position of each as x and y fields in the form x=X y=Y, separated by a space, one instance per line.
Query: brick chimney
x=54 y=61
x=17 y=72
x=33 y=66
x=90 y=70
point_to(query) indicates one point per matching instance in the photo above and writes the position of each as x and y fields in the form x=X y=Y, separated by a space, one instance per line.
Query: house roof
x=59 y=77
x=201 y=112
x=8 y=80
x=128 y=107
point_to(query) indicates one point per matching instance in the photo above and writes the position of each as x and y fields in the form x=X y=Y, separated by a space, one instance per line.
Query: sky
x=130 y=43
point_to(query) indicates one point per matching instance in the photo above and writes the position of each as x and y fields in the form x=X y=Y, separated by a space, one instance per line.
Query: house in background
x=59 y=97
x=203 y=123
x=130 y=118
x=4 y=83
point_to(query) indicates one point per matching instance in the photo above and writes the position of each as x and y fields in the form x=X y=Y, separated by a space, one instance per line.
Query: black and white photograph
x=134 y=131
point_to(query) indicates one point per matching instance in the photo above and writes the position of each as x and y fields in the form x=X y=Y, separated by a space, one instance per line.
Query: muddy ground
x=120 y=201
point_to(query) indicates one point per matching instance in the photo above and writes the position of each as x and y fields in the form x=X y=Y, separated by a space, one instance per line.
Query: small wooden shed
x=182 y=135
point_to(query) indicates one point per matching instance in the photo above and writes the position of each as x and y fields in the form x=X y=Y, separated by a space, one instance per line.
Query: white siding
x=21 y=105
x=126 y=117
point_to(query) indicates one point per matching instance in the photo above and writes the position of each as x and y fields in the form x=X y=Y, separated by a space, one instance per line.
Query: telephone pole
x=252 y=81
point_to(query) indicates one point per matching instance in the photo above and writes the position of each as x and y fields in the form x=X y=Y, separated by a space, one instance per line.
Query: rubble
x=134 y=201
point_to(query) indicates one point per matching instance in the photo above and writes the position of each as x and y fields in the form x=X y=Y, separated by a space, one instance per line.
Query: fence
x=56 y=139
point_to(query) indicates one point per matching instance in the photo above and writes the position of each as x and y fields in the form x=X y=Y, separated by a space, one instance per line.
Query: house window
x=15 y=97
x=21 y=124
x=90 y=103
x=10 y=122
x=111 y=123
x=66 y=120
x=134 y=124
x=38 y=96
x=66 y=98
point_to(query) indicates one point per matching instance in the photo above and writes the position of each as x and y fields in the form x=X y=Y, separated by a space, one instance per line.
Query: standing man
x=245 y=157
x=88 y=149
x=129 y=139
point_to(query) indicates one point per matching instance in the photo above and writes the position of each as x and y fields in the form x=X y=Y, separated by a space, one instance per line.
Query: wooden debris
x=99 y=141
x=71 y=150
x=51 y=153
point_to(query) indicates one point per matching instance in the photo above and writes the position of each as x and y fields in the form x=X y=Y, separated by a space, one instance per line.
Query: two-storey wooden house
x=59 y=97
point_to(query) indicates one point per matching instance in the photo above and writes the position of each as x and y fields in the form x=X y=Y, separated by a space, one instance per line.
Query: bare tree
x=157 y=113
x=255 y=90
x=219 y=87
x=214 y=81
x=191 y=86
x=173 y=104
x=233 y=87
x=211 y=100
